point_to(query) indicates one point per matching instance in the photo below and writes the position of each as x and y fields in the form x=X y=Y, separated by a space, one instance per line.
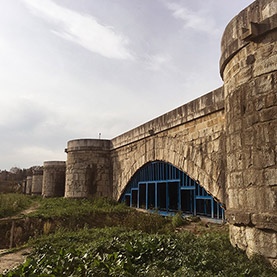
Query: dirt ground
x=8 y=260
x=11 y=260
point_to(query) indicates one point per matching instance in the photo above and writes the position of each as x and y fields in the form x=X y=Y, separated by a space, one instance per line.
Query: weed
x=13 y=203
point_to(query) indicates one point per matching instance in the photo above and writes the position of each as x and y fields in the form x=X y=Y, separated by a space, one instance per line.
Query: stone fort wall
x=226 y=140
x=249 y=70
x=191 y=137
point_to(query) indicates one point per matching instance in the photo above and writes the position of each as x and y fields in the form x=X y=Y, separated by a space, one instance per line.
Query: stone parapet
x=202 y=106
x=256 y=20
x=88 y=145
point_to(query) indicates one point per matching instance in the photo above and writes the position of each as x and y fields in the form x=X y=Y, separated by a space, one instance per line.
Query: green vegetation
x=121 y=252
x=134 y=244
x=12 y=203
x=63 y=207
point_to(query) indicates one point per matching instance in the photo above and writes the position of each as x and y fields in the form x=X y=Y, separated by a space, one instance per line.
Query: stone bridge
x=225 y=141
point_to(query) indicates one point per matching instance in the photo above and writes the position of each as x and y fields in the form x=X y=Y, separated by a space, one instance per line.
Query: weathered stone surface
x=88 y=168
x=29 y=185
x=249 y=70
x=265 y=221
x=193 y=145
x=53 y=179
x=37 y=182
x=226 y=140
x=238 y=217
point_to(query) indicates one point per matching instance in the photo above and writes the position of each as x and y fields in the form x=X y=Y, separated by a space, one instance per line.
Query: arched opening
x=162 y=187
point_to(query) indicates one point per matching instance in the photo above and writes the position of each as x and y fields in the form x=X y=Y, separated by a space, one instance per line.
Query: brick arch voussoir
x=178 y=160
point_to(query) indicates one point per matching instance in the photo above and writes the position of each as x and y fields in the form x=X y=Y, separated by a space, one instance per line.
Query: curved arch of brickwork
x=196 y=146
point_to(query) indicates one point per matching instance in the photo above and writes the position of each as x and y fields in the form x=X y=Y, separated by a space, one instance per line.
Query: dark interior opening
x=134 y=198
x=173 y=196
x=203 y=207
x=142 y=196
x=187 y=204
x=161 y=196
x=151 y=196
x=127 y=200
x=217 y=210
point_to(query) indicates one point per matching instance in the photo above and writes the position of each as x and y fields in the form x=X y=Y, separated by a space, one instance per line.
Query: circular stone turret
x=37 y=181
x=53 y=184
x=29 y=185
x=88 y=168
x=24 y=184
x=249 y=69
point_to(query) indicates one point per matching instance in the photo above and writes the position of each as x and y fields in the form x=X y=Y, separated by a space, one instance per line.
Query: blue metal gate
x=162 y=187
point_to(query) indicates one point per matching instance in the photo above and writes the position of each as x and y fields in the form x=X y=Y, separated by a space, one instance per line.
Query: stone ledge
x=207 y=104
x=265 y=221
x=238 y=217
x=244 y=27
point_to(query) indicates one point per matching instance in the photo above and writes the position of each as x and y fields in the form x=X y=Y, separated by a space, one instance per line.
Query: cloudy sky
x=73 y=69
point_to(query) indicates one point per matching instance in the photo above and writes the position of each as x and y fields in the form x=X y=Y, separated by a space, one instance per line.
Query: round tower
x=53 y=184
x=37 y=181
x=248 y=67
x=29 y=185
x=88 y=168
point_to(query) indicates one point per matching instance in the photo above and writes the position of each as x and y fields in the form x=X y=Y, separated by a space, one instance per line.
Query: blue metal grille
x=163 y=187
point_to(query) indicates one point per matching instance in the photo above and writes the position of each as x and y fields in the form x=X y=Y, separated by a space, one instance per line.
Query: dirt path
x=31 y=209
x=11 y=260
x=8 y=261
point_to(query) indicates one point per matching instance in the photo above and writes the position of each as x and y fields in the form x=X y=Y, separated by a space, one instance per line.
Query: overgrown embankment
x=102 y=238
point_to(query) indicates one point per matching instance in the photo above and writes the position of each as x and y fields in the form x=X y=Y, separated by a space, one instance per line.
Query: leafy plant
x=119 y=252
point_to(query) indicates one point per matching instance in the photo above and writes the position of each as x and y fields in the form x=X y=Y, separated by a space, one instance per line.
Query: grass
x=135 y=244
x=12 y=203
x=118 y=251
x=63 y=207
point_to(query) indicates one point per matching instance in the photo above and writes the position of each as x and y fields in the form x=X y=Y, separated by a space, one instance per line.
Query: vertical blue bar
x=146 y=196
x=217 y=209
x=138 y=198
x=194 y=202
x=167 y=196
x=179 y=197
x=212 y=208
x=191 y=199
x=156 y=195
x=131 y=199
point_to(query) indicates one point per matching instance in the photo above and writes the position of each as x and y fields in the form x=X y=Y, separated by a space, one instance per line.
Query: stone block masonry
x=37 y=181
x=249 y=71
x=191 y=137
x=225 y=140
x=29 y=185
x=88 y=168
x=53 y=178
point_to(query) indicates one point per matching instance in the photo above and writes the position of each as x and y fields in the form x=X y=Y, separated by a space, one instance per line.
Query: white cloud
x=82 y=29
x=199 y=21
x=157 y=62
